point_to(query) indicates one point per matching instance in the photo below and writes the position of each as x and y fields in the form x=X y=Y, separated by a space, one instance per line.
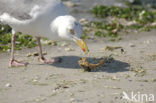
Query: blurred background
x=84 y=6
x=101 y=19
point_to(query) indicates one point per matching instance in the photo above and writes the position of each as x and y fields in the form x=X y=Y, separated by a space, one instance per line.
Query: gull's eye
x=72 y=31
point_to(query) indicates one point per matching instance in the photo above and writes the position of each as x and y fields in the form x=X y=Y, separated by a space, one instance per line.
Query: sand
x=133 y=70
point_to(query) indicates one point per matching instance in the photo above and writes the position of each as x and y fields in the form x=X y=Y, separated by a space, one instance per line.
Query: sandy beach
x=65 y=82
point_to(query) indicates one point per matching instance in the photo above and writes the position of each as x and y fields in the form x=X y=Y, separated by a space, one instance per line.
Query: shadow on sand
x=71 y=62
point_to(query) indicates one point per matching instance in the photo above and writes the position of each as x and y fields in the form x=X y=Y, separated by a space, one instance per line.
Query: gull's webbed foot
x=50 y=61
x=15 y=63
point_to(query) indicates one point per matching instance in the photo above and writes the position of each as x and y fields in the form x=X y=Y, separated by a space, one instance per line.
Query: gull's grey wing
x=20 y=9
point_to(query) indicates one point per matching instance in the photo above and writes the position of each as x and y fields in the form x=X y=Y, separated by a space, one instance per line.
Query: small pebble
x=69 y=49
x=8 y=85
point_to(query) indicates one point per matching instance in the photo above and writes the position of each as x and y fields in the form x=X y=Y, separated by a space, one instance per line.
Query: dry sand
x=131 y=70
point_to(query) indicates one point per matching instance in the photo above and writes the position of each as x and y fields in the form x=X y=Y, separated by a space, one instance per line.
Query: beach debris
x=140 y=71
x=112 y=48
x=115 y=78
x=69 y=49
x=48 y=42
x=59 y=86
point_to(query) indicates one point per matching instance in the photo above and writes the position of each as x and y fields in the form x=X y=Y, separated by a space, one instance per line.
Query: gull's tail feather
x=5 y=18
x=17 y=25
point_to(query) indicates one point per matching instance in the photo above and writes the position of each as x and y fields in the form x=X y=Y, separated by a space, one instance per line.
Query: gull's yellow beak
x=82 y=45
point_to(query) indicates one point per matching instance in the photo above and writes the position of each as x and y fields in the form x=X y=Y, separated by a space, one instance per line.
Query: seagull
x=40 y=18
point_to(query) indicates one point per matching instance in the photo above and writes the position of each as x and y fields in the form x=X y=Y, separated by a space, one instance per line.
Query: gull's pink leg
x=13 y=62
x=41 y=57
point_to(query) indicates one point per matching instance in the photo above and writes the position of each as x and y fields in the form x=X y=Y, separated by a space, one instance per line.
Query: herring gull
x=40 y=18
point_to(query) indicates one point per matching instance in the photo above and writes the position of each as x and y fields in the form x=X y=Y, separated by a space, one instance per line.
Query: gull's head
x=67 y=27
